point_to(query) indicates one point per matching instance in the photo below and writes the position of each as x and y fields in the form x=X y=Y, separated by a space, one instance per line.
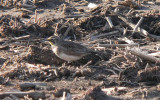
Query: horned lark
x=67 y=50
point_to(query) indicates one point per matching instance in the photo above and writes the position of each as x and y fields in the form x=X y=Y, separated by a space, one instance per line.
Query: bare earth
x=120 y=70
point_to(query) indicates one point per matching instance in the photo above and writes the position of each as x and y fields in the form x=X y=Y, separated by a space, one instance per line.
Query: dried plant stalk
x=35 y=20
x=145 y=56
x=2 y=2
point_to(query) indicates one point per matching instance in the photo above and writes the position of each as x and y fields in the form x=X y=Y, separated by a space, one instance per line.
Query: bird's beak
x=49 y=41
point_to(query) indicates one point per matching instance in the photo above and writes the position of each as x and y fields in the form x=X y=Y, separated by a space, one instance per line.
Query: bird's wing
x=75 y=47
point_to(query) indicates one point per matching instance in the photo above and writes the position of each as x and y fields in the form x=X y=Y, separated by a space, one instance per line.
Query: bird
x=68 y=50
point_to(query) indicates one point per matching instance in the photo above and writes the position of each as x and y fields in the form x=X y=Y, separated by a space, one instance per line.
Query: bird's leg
x=69 y=62
x=66 y=63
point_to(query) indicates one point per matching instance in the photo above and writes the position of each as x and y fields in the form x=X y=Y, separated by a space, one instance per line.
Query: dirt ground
x=126 y=65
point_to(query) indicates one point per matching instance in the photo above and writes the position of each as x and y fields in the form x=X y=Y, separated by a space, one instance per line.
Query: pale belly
x=66 y=57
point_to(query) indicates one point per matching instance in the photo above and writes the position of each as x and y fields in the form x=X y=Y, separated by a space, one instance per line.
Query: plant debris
x=124 y=35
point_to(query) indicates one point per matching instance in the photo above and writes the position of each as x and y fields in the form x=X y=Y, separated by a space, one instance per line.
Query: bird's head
x=53 y=40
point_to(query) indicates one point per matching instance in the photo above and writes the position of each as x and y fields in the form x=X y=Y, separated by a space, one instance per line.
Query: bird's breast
x=55 y=50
